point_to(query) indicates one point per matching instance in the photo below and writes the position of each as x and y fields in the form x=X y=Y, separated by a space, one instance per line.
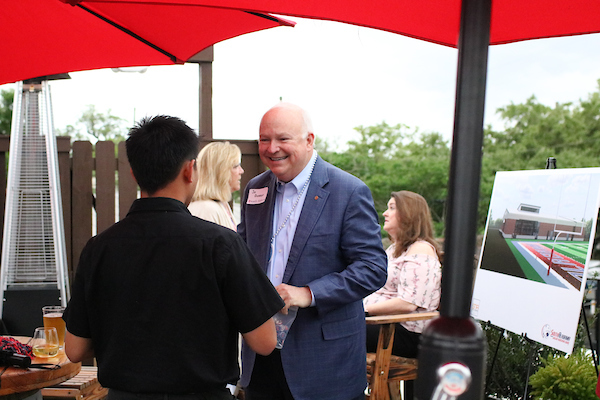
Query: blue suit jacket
x=337 y=252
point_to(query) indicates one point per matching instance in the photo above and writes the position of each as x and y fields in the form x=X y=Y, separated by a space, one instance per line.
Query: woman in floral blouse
x=414 y=272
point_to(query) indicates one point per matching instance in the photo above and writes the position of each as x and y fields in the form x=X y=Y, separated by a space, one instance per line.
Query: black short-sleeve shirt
x=163 y=295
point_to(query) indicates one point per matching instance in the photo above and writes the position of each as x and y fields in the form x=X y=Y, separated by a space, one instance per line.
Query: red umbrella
x=434 y=21
x=46 y=37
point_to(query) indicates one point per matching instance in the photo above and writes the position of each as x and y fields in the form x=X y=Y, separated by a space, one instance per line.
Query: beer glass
x=53 y=319
x=45 y=342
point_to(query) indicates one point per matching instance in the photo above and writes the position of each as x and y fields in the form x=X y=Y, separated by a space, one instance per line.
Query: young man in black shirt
x=160 y=297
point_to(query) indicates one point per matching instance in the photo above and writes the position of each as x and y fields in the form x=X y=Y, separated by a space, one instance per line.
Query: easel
x=533 y=346
x=550 y=164
x=532 y=350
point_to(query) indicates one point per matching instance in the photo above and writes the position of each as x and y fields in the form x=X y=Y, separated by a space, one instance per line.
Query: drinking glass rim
x=53 y=308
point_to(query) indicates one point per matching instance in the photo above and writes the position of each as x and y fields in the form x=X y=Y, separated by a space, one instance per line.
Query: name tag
x=257 y=196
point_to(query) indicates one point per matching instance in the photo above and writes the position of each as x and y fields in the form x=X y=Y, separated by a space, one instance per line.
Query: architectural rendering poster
x=538 y=242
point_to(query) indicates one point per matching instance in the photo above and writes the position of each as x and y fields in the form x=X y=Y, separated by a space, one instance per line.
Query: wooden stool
x=82 y=386
x=399 y=369
x=384 y=370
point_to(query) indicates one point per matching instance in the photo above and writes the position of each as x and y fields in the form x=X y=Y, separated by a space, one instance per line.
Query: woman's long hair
x=414 y=222
x=215 y=162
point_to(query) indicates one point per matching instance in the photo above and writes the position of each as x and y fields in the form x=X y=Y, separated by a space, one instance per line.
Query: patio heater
x=33 y=263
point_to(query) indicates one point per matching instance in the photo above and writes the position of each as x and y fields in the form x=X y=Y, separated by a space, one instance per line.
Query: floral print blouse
x=414 y=278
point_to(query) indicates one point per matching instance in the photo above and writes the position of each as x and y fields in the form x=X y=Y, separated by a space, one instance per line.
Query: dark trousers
x=215 y=394
x=268 y=380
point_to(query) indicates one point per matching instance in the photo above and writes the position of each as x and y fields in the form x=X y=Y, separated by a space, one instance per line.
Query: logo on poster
x=548 y=332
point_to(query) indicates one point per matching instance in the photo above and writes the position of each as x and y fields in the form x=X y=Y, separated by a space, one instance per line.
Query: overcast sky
x=570 y=193
x=343 y=75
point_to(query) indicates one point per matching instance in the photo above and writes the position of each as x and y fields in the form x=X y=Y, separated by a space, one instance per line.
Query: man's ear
x=310 y=140
x=188 y=171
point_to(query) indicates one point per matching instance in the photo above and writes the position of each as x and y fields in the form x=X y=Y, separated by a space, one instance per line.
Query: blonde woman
x=219 y=175
x=414 y=272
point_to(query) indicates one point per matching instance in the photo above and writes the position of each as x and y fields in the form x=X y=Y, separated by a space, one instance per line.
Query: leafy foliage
x=6 y=106
x=95 y=126
x=565 y=378
x=391 y=158
x=515 y=355
x=533 y=132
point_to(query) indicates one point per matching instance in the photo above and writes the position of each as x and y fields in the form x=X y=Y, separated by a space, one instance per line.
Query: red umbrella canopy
x=436 y=21
x=47 y=37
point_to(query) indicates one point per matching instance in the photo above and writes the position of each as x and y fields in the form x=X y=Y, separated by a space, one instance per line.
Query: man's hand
x=294 y=296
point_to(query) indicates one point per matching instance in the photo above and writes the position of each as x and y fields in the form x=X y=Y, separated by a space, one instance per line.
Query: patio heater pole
x=453 y=348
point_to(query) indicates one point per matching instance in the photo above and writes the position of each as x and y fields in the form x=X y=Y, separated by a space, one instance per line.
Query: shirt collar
x=301 y=178
x=164 y=204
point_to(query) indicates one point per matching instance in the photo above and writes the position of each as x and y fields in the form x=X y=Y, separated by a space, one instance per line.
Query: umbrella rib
x=130 y=33
x=265 y=16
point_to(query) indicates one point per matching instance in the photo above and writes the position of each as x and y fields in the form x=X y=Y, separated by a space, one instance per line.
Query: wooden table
x=397 y=318
x=18 y=383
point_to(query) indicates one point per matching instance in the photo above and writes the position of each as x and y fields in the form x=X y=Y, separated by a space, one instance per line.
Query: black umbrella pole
x=453 y=347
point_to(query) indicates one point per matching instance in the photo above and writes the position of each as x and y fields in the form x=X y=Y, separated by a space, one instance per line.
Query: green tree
x=392 y=158
x=532 y=133
x=95 y=126
x=6 y=107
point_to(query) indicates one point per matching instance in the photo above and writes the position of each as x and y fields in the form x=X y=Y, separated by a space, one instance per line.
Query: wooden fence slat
x=127 y=185
x=81 y=227
x=105 y=184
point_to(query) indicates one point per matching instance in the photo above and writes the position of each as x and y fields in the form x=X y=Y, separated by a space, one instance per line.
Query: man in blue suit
x=315 y=231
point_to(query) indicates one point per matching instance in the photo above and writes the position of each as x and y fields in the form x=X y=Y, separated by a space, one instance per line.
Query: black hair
x=157 y=148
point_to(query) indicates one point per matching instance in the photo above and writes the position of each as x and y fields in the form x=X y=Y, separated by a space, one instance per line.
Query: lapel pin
x=316 y=197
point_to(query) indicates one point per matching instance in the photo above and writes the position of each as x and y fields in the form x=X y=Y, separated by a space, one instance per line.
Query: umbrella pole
x=453 y=348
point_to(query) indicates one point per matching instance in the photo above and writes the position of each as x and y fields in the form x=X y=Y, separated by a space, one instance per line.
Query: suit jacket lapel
x=262 y=224
x=316 y=197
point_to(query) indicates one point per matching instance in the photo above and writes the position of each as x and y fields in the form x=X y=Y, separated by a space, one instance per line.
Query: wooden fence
x=97 y=187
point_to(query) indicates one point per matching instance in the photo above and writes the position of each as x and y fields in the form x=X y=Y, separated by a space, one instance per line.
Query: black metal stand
x=589 y=336
x=500 y=337
x=533 y=347
x=597 y=323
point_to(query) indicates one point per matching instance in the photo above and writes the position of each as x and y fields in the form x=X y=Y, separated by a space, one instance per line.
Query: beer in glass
x=53 y=319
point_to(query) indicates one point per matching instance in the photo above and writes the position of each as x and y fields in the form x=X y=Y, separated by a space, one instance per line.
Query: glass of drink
x=45 y=342
x=283 y=322
x=53 y=319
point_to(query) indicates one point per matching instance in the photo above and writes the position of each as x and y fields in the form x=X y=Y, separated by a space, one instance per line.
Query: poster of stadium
x=538 y=241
